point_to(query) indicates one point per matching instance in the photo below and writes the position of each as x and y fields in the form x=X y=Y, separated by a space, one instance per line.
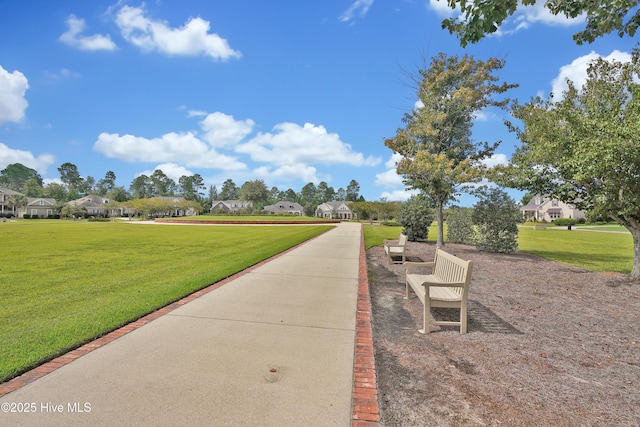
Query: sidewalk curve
x=273 y=347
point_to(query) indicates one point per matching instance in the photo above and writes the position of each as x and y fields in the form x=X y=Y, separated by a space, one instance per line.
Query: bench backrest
x=450 y=268
x=402 y=240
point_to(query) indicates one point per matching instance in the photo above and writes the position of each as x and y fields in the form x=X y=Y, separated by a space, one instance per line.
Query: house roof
x=333 y=205
x=7 y=191
x=90 y=201
x=284 y=206
x=35 y=201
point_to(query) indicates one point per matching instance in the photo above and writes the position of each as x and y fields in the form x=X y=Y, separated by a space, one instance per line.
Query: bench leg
x=463 y=318
x=426 y=316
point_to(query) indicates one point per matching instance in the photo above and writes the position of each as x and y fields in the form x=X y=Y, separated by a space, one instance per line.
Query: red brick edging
x=365 y=409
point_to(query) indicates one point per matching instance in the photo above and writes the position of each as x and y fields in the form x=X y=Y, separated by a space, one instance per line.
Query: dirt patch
x=547 y=344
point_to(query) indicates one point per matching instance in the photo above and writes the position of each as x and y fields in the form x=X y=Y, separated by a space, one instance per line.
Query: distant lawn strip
x=63 y=284
x=606 y=252
x=249 y=219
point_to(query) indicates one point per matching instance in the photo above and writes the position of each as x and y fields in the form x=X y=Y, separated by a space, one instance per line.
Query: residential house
x=338 y=210
x=38 y=207
x=95 y=205
x=285 y=207
x=230 y=206
x=5 y=193
x=546 y=209
x=178 y=210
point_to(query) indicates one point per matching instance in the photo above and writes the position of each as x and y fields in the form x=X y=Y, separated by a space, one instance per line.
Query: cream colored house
x=38 y=207
x=230 y=206
x=546 y=209
x=336 y=210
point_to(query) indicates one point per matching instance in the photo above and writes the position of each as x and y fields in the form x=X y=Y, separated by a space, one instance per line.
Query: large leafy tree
x=308 y=194
x=352 y=190
x=141 y=187
x=438 y=153
x=106 y=184
x=192 y=187
x=15 y=175
x=481 y=17
x=161 y=183
x=255 y=191
x=72 y=180
x=584 y=147
x=229 y=191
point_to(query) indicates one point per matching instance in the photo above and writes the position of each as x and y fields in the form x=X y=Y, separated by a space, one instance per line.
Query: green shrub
x=496 y=216
x=460 y=226
x=98 y=219
x=563 y=222
x=416 y=216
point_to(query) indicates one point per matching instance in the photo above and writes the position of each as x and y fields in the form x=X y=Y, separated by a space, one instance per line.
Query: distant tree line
x=73 y=185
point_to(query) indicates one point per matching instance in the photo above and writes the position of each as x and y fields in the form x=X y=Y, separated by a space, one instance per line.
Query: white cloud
x=291 y=144
x=63 y=73
x=526 y=17
x=576 y=71
x=183 y=148
x=359 y=7
x=172 y=170
x=196 y=113
x=537 y=13
x=300 y=171
x=10 y=156
x=483 y=116
x=12 y=101
x=393 y=160
x=192 y=39
x=223 y=130
x=495 y=160
x=388 y=178
x=73 y=38
x=522 y=19
x=441 y=8
x=398 y=195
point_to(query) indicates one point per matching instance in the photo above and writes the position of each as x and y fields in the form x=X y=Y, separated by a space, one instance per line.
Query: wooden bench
x=447 y=286
x=396 y=248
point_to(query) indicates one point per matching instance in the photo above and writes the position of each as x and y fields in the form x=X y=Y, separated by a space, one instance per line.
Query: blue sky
x=288 y=91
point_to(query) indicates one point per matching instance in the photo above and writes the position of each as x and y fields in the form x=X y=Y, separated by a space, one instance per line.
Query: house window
x=554 y=203
x=554 y=215
x=41 y=202
x=538 y=201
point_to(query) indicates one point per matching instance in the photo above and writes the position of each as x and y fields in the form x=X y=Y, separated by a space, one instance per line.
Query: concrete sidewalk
x=272 y=347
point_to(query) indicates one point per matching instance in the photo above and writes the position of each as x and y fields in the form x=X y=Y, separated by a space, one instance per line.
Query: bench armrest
x=444 y=284
x=391 y=242
x=410 y=265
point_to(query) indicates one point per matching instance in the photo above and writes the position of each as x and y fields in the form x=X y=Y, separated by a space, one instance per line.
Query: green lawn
x=591 y=250
x=64 y=283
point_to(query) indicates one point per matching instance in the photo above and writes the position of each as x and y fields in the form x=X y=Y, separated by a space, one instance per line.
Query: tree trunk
x=440 y=219
x=635 y=232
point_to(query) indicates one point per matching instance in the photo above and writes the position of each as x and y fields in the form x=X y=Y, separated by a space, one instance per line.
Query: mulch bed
x=547 y=345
